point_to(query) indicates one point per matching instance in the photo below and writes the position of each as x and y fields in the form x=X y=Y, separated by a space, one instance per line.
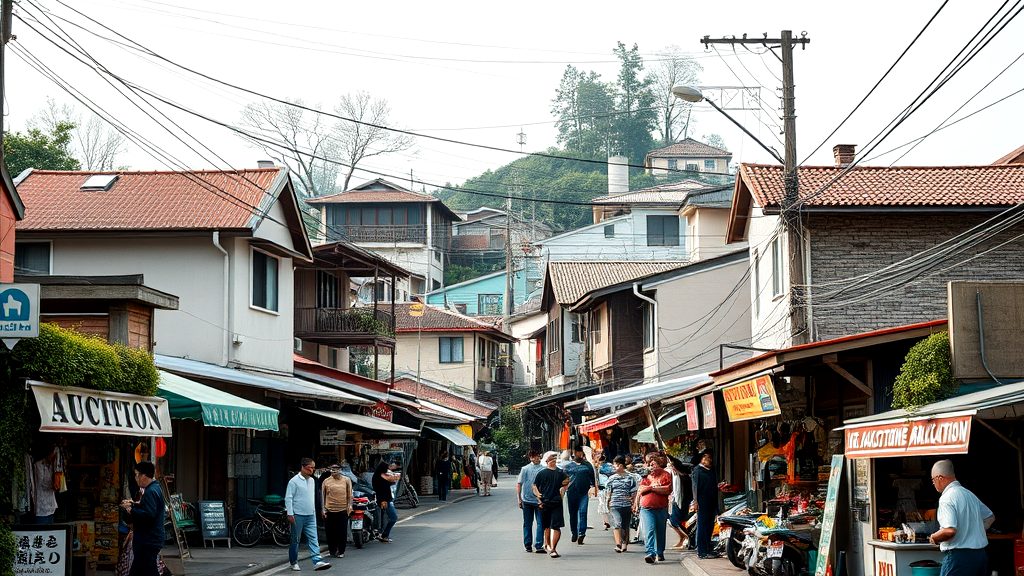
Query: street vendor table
x=893 y=559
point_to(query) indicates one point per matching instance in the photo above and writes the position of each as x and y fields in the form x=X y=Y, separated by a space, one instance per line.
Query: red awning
x=599 y=424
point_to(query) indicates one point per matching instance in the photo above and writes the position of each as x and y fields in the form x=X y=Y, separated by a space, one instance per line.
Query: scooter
x=721 y=533
x=364 y=521
x=779 y=551
x=731 y=536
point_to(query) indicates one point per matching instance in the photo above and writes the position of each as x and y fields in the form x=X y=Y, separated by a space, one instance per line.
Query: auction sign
x=71 y=409
x=751 y=399
x=921 y=437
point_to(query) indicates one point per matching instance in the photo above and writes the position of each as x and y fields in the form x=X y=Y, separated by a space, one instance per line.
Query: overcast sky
x=478 y=71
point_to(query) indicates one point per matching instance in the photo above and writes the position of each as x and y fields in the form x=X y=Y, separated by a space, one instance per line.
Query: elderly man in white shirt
x=300 y=504
x=963 y=520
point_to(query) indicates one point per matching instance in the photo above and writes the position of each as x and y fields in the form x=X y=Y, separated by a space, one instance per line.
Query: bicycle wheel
x=282 y=533
x=247 y=533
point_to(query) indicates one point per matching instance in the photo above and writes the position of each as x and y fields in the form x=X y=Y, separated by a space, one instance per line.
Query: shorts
x=551 y=516
x=620 y=517
x=677 y=517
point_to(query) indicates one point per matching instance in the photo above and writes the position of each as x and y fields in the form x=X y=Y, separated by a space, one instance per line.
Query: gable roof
x=12 y=192
x=438 y=319
x=689 y=147
x=672 y=194
x=571 y=281
x=437 y=393
x=1015 y=157
x=381 y=191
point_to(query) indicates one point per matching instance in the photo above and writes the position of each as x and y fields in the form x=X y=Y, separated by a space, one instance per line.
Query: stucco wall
x=461 y=375
x=525 y=350
x=769 y=315
x=629 y=242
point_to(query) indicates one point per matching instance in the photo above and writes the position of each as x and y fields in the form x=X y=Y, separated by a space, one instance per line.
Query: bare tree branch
x=95 y=143
x=674 y=68
x=356 y=141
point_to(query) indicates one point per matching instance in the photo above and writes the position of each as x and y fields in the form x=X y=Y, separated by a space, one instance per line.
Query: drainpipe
x=654 y=322
x=225 y=350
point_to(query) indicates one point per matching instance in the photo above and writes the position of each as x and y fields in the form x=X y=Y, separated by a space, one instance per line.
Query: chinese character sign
x=42 y=549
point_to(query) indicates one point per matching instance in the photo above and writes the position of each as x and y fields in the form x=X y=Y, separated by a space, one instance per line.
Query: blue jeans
x=654 y=525
x=392 y=518
x=531 y=516
x=964 y=562
x=304 y=524
x=578 y=513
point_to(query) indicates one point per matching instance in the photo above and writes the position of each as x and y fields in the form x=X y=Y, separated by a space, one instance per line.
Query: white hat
x=548 y=455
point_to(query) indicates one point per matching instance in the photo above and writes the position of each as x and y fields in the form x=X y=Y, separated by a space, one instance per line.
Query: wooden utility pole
x=790 y=214
x=6 y=8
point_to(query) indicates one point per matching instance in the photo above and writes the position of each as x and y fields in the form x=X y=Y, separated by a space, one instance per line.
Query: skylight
x=99 y=182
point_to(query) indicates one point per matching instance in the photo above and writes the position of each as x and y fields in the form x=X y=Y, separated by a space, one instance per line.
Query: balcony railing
x=396 y=233
x=328 y=322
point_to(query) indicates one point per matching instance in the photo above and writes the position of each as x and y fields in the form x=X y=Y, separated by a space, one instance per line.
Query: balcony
x=345 y=326
x=415 y=233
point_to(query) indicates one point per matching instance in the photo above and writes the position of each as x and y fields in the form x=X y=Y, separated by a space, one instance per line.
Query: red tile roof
x=571 y=281
x=890 y=186
x=434 y=393
x=196 y=200
x=438 y=319
x=691 y=148
x=1014 y=157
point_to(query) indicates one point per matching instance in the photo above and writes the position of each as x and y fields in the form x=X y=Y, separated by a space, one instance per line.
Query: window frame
x=672 y=163
x=778 y=287
x=49 y=256
x=595 y=330
x=710 y=165
x=554 y=335
x=648 y=327
x=486 y=311
x=327 y=290
x=252 y=282
x=445 y=343
x=665 y=239
x=609 y=231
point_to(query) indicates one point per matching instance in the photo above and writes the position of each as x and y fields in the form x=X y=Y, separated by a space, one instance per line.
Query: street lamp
x=694 y=95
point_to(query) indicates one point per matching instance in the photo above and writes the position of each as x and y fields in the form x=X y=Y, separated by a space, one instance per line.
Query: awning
x=606 y=421
x=670 y=427
x=933 y=429
x=452 y=435
x=366 y=423
x=285 y=385
x=555 y=398
x=194 y=401
x=84 y=411
x=647 y=392
x=450 y=412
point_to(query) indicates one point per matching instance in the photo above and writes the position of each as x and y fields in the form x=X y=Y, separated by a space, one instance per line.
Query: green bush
x=8 y=547
x=926 y=375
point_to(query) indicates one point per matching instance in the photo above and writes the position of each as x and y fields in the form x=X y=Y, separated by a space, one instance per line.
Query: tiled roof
x=435 y=393
x=1014 y=157
x=195 y=200
x=375 y=196
x=571 y=281
x=471 y=242
x=674 y=194
x=892 y=186
x=438 y=319
x=689 y=147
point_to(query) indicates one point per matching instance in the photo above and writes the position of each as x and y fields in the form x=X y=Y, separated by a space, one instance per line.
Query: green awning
x=194 y=401
x=670 y=427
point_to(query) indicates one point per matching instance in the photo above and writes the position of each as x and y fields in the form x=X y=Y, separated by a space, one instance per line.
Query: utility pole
x=6 y=8
x=789 y=213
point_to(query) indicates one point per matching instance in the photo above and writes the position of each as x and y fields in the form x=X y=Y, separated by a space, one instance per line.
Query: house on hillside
x=479 y=238
x=878 y=248
x=687 y=154
x=482 y=296
x=411 y=230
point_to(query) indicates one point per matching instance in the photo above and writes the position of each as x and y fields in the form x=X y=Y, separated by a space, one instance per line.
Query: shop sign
x=44 y=549
x=70 y=409
x=245 y=465
x=379 y=410
x=707 y=405
x=332 y=437
x=19 y=312
x=691 y=415
x=828 y=518
x=949 y=435
x=750 y=399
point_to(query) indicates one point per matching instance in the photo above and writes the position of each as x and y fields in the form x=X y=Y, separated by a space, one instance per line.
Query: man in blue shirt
x=528 y=503
x=300 y=503
x=147 y=521
x=583 y=483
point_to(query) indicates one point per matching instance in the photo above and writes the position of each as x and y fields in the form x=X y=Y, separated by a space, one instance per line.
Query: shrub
x=926 y=375
x=8 y=548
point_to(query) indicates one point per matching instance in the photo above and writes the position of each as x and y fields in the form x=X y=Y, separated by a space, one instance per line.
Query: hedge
x=926 y=375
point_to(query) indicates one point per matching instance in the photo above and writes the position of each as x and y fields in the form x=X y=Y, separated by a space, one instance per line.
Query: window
x=757 y=284
x=577 y=321
x=435 y=285
x=332 y=357
x=482 y=352
x=691 y=167
x=554 y=335
x=326 y=290
x=595 y=330
x=648 y=326
x=437 y=255
x=415 y=215
x=663 y=231
x=32 y=257
x=709 y=166
x=673 y=163
x=609 y=231
x=777 y=264
x=450 y=350
x=264 y=281
x=489 y=304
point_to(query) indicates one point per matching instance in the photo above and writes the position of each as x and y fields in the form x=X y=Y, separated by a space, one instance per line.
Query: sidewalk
x=710 y=567
x=238 y=561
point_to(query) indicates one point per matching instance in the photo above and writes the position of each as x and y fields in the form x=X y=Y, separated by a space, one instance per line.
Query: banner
x=78 y=410
x=751 y=399
x=707 y=407
x=828 y=518
x=935 y=436
x=692 y=423
x=379 y=410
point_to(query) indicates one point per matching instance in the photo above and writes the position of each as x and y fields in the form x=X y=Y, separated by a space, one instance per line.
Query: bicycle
x=268 y=520
x=408 y=497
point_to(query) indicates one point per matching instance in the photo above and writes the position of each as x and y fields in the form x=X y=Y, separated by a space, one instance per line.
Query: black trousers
x=444 y=481
x=144 y=561
x=337 y=531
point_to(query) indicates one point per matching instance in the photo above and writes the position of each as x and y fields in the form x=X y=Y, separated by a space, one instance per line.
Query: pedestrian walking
x=604 y=470
x=621 y=493
x=549 y=487
x=300 y=505
x=147 y=517
x=583 y=483
x=486 y=465
x=963 y=521
x=337 y=502
x=444 y=477
x=533 y=540
x=383 y=479
x=705 y=504
x=679 y=499
x=653 y=500
x=469 y=469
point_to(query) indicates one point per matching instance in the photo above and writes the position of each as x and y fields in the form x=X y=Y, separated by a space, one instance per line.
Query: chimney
x=265 y=164
x=844 y=154
x=618 y=174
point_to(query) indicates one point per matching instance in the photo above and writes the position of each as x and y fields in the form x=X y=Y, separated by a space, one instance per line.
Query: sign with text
x=42 y=549
x=245 y=465
x=379 y=410
x=332 y=437
x=71 y=409
x=751 y=399
x=692 y=423
x=213 y=520
x=707 y=408
x=828 y=519
x=19 y=312
x=935 y=436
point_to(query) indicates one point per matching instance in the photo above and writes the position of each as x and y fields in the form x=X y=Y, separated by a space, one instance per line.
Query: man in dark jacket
x=147 y=521
x=705 y=503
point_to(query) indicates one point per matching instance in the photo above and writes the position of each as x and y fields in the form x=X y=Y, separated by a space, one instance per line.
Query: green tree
x=37 y=149
x=636 y=115
x=584 y=107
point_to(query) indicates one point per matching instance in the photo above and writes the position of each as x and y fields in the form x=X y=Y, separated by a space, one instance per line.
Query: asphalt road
x=483 y=536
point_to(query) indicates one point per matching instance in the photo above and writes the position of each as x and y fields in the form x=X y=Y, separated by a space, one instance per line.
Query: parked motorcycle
x=778 y=551
x=364 y=521
x=719 y=543
x=730 y=534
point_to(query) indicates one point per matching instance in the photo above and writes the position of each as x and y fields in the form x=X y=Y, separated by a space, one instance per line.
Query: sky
x=482 y=72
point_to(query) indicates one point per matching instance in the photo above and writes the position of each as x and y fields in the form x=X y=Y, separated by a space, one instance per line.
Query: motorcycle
x=730 y=534
x=722 y=532
x=778 y=551
x=363 y=522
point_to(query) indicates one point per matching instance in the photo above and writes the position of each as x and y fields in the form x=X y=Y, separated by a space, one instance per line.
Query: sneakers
x=296 y=568
x=661 y=558
x=321 y=565
x=649 y=559
x=385 y=540
x=574 y=538
x=540 y=551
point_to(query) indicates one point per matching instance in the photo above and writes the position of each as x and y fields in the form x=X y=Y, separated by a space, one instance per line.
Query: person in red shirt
x=653 y=502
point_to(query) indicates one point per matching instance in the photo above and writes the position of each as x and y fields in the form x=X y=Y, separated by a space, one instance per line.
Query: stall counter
x=893 y=559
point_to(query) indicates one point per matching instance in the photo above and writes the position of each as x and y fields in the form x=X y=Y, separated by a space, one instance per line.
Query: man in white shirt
x=485 y=464
x=963 y=520
x=300 y=503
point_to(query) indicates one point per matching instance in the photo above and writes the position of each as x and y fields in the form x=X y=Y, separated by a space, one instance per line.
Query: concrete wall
x=705 y=233
x=469 y=293
x=525 y=350
x=769 y=312
x=462 y=375
x=629 y=242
